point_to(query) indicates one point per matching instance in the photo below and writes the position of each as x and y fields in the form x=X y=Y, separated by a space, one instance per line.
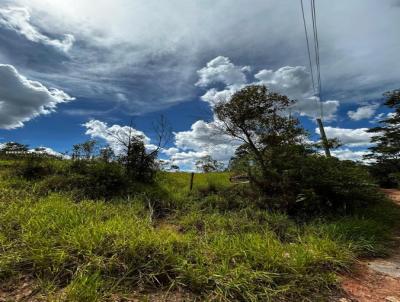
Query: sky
x=80 y=69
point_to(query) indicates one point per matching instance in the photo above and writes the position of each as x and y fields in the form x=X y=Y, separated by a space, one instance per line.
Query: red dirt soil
x=366 y=284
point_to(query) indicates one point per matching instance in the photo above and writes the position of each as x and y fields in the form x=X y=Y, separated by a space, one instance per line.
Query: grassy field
x=199 y=243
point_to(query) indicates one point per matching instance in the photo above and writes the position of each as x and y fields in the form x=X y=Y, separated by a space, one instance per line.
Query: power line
x=308 y=46
x=318 y=69
x=316 y=50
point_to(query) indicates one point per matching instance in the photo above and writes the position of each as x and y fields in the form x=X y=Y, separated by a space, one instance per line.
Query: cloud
x=86 y=112
x=348 y=154
x=311 y=107
x=113 y=135
x=221 y=70
x=47 y=150
x=202 y=139
x=18 y=20
x=363 y=112
x=214 y=96
x=292 y=81
x=381 y=116
x=295 y=82
x=201 y=135
x=396 y=3
x=151 y=51
x=349 y=137
x=21 y=99
x=206 y=139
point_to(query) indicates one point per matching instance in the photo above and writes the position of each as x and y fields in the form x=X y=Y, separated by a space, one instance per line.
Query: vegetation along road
x=99 y=226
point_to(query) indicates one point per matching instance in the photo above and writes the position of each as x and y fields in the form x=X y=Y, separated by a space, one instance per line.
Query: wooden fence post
x=191 y=181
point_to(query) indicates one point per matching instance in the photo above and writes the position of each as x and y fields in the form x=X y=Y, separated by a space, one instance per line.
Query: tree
x=107 y=154
x=14 y=147
x=85 y=150
x=174 y=167
x=76 y=151
x=207 y=164
x=89 y=148
x=140 y=161
x=386 y=151
x=387 y=141
x=271 y=137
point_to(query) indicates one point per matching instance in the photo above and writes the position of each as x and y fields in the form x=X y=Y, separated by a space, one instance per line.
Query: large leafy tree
x=386 y=150
x=271 y=136
x=285 y=169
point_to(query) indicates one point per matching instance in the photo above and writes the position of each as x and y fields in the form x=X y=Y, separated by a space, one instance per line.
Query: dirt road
x=379 y=279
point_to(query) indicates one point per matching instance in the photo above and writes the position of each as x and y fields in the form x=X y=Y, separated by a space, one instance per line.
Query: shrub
x=395 y=177
x=386 y=173
x=35 y=167
x=91 y=179
x=104 y=180
x=313 y=185
x=329 y=185
x=229 y=198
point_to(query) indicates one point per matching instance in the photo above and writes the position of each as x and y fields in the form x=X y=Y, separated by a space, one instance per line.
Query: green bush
x=35 y=167
x=329 y=185
x=237 y=197
x=395 y=178
x=316 y=185
x=386 y=173
x=91 y=179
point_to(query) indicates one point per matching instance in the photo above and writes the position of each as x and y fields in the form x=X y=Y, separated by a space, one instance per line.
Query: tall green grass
x=92 y=250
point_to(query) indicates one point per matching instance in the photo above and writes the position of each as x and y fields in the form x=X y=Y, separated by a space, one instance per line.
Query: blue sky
x=70 y=70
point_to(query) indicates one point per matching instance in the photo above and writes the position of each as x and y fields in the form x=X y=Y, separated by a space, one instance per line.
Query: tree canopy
x=387 y=140
x=271 y=136
x=14 y=147
x=385 y=152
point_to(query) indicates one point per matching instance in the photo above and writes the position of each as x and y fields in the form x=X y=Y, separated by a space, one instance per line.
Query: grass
x=92 y=250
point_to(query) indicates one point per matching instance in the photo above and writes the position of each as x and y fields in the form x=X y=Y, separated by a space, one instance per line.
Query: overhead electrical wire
x=317 y=92
x=308 y=47
x=316 y=46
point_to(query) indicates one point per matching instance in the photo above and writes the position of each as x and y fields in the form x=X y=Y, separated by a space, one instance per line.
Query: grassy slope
x=90 y=249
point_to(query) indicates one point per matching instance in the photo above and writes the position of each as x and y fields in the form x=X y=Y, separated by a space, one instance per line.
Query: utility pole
x=323 y=138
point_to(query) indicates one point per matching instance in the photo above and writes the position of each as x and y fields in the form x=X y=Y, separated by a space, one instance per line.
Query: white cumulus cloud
x=221 y=70
x=47 y=150
x=291 y=81
x=22 y=99
x=311 y=107
x=363 y=112
x=114 y=134
x=202 y=139
x=349 y=137
x=348 y=154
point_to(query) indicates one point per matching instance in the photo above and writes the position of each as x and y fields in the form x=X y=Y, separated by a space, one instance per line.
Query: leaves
x=388 y=133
